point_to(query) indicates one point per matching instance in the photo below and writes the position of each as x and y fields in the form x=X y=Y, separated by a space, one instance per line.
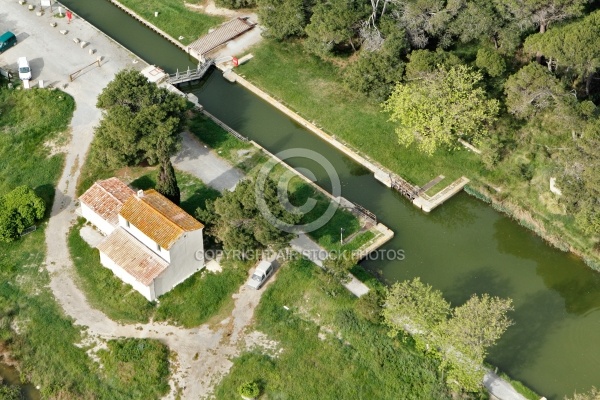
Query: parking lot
x=54 y=56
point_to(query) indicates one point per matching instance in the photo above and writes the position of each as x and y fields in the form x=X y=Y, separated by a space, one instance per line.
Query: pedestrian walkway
x=317 y=254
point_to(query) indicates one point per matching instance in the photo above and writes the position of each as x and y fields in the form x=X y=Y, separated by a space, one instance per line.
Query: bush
x=249 y=389
x=235 y=3
x=19 y=209
x=491 y=62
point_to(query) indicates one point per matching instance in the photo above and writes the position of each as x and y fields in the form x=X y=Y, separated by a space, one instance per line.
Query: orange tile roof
x=106 y=198
x=131 y=255
x=158 y=218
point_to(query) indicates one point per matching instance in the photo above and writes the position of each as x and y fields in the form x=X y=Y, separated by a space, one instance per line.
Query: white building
x=152 y=244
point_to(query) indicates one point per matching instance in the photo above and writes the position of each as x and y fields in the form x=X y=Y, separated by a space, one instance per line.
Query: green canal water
x=461 y=248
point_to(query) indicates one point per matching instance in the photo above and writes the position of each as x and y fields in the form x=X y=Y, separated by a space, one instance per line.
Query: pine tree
x=167 y=181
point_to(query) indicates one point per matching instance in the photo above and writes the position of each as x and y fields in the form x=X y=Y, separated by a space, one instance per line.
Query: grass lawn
x=174 y=18
x=314 y=89
x=31 y=123
x=142 y=365
x=204 y=296
x=326 y=350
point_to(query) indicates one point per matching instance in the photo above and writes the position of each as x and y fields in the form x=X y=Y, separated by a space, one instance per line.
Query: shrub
x=249 y=389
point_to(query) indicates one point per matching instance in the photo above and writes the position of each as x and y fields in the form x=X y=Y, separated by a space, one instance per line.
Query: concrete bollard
x=91 y=51
x=63 y=32
x=76 y=40
x=156 y=13
x=21 y=2
x=31 y=7
x=41 y=84
x=39 y=13
x=53 y=24
x=83 y=44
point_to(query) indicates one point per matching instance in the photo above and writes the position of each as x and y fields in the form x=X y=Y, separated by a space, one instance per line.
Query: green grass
x=357 y=360
x=174 y=18
x=202 y=296
x=313 y=88
x=141 y=365
x=105 y=292
x=28 y=120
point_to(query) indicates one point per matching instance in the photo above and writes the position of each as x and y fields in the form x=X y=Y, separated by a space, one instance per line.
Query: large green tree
x=472 y=329
x=282 y=18
x=376 y=72
x=141 y=121
x=236 y=220
x=440 y=108
x=573 y=46
x=417 y=308
x=332 y=23
x=531 y=90
x=460 y=337
x=541 y=13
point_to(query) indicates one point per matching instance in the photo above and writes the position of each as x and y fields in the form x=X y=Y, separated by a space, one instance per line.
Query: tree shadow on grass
x=198 y=199
x=144 y=182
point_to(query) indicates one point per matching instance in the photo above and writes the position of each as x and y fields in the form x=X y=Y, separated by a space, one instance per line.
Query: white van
x=24 y=70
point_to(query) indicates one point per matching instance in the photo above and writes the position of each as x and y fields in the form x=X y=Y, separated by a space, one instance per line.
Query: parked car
x=7 y=40
x=263 y=271
x=24 y=70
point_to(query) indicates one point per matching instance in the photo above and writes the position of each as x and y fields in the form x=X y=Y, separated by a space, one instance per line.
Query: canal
x=461 y=248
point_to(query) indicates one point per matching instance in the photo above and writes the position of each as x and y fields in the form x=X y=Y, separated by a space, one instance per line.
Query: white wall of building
x=104 y=226
x=149 y=243
x=186 y=259
x=146 y=291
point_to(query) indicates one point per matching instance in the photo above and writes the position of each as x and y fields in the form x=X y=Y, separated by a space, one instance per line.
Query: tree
x=592 y=394
x=459 y=337
x=490 y=61
x=482 y=20
x=425 y=62
x=473 y=328
x=424 y=19
x=235 y=3
x=580 y=181
x=141 y=121
x=332 y=23
x=338 y=266
x=531 y=90
x=282 y=18
x=541 y=13
x=375 y=73
x=414 y=307
x=441 y=108
x=19 y=209
x=574 y=45
x=238 y=223
x=167 y=182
